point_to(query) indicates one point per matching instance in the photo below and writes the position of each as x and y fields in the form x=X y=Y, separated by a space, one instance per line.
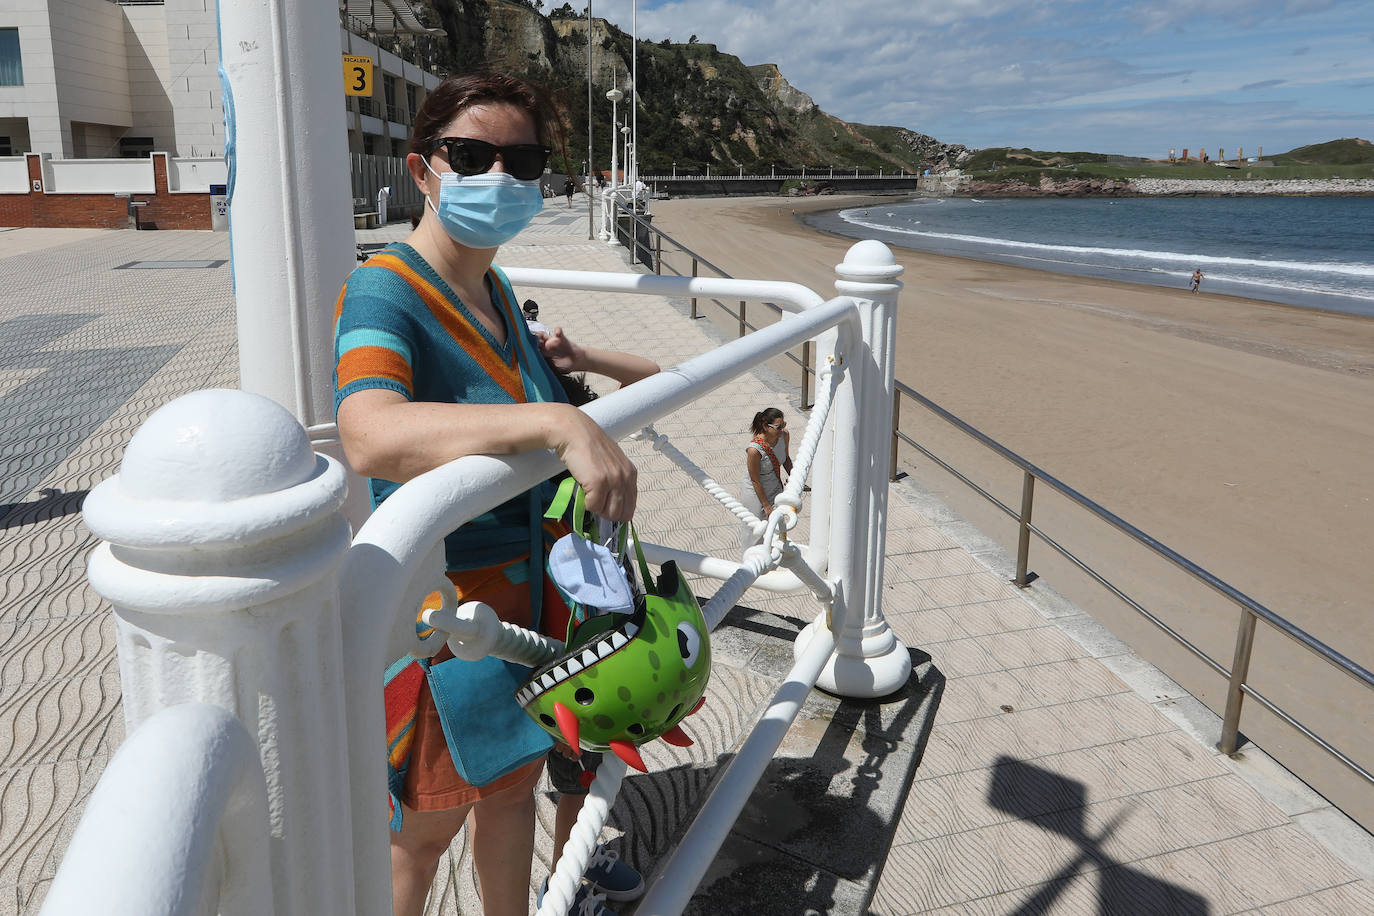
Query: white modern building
x=99 y=79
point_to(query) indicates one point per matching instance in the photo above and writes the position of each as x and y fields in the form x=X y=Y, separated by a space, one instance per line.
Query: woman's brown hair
x=459 y=93
x=765 y=418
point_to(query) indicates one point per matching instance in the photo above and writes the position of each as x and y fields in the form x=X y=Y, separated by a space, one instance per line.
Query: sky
x=1130 y=78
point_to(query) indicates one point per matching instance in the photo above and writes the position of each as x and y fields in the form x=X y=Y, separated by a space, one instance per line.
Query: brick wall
x=164 y=210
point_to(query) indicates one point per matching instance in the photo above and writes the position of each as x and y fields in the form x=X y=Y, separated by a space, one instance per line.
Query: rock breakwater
x=1048 y=187
x=1343 y=187
x=1170 y=187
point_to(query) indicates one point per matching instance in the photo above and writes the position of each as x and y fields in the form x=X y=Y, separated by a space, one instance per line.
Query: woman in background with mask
x=434 y=361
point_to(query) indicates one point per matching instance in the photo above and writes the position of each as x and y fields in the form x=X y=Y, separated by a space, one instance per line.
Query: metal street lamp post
x=615 y=95
x=607 y=196
x=591 y=151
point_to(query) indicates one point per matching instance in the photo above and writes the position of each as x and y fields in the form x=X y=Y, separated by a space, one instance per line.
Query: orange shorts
x=432 y=782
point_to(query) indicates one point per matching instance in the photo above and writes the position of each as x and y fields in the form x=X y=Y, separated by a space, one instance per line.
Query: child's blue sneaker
x=587 y=902
x=613 y=877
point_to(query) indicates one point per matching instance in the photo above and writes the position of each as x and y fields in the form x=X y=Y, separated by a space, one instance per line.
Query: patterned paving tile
x=1005 y=615
x=1355 y=897
x=1279 y=864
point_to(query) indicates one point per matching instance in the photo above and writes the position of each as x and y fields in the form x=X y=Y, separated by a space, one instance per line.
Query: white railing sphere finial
x=214 y=467
x=869 y=260
x=216 y=445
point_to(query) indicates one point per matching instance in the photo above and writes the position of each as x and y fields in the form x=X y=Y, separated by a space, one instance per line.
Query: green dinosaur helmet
x=625 y=679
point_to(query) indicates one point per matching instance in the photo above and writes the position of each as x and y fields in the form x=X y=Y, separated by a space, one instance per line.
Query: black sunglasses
x=466 y=156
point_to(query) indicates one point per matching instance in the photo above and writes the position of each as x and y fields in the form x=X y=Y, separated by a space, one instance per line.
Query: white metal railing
x=183 y=807
x=234 y=582
x=814 y=174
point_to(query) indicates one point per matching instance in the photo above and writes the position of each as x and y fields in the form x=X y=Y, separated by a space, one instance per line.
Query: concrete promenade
x=1033 y=766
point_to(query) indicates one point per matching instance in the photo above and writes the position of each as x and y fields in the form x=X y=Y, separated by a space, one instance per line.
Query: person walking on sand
x=1197 y=279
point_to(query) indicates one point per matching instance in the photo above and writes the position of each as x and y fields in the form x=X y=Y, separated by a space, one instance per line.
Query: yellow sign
x=357 y=75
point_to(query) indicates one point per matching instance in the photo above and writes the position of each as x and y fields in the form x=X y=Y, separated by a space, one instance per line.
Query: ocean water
x=1316 y=252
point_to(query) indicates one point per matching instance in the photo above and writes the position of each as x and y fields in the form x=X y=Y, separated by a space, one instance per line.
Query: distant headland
x=1337 y=168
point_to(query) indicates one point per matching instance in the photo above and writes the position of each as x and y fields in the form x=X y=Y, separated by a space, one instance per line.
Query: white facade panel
x=100 y=176
x=49 y=133
x=195 y=94
x=37 y=98
x=145 y=42
x=14 y=175
x=389 y=62
x=190 y=175
x=89 y=58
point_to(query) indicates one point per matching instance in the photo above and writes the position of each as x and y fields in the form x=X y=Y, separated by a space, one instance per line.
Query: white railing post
x=869 y=660
x=223 y=539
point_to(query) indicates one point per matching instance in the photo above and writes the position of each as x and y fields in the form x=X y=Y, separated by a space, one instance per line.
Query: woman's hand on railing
x=608 y=478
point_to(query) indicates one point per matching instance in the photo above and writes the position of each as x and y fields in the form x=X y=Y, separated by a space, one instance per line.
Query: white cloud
x=983 y=72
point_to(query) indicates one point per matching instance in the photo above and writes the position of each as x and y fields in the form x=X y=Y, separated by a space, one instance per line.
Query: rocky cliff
x=698 y=107
x=777 y=88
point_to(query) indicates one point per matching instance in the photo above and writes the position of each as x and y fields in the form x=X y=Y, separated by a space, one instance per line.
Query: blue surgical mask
x=487 y=210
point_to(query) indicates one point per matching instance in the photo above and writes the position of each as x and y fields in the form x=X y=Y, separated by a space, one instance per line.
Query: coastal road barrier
x=1237 y=676
x=750 y=185
x=1251 y=611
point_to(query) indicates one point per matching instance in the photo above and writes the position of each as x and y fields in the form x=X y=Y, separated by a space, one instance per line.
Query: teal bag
x=488 y=734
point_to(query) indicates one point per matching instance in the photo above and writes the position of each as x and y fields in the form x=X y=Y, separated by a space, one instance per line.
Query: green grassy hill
x=1352 y=158
x=1350 y=151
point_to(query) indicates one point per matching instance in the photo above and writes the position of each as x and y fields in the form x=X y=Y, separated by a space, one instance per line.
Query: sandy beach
x=1237 y=432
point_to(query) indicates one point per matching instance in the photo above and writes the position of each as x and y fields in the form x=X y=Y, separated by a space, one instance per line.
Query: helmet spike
x=569 y=726
x=677 y=737
x=628 y=753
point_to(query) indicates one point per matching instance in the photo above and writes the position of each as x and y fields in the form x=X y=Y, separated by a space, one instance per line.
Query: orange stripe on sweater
x=374 y=362
x=459 y=328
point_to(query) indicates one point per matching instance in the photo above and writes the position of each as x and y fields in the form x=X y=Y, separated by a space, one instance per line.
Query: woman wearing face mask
x=434 y=362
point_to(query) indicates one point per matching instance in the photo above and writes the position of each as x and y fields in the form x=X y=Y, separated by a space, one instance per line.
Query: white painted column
x=223 y=540
x=290 y=202
x=869 y=660
x=608 y=195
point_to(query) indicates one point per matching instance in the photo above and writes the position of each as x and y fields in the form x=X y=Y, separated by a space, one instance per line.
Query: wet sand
x=1238 y=432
